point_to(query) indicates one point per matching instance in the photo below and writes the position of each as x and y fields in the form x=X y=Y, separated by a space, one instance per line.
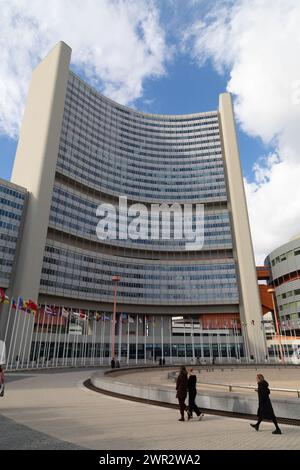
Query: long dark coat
x=181 y=385
x=265 y=409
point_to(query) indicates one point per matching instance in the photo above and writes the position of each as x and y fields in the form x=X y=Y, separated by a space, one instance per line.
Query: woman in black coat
x=181 y=387
x=265 y=409
x=192 y=389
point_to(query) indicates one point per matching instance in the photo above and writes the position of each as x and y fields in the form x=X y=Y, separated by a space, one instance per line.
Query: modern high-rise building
x=78 y=149
x=284 y=264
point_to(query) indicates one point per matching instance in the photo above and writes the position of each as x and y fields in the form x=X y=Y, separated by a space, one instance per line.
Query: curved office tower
x=79 y=150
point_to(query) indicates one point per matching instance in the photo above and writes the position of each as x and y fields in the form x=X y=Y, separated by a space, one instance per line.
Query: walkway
x=51 y=410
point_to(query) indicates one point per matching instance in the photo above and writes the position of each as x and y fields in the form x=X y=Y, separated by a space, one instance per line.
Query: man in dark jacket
x=265 y=409
x=192 y=389
x=181 y=387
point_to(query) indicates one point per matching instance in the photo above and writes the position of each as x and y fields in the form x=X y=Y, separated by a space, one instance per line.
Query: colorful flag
x=3 y=297
x=105 y=317
x=21 y=304
x=131 y=319
x=48 y=310
x=31 y=307
x=97 y=316
x=65 y=313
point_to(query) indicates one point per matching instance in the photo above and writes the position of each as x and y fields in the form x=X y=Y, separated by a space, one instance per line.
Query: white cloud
x=118 y=44
x=258 y=42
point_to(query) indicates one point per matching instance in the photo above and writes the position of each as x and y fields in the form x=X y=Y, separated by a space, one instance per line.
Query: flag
x=31 y=307
x=97 y=316
x=3 y=297
x=14 y=304
x=131 y=320
x=21 y=304
x=105 y=317
x=140 y=320
x=48 y=310
x=65 y=313
x=124 y=317
x=80 y=314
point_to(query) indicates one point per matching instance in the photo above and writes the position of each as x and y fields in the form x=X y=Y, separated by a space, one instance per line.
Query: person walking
x=265 y=409
x=192 y=389
x=181 y=387
x=1 y=382
x=113 y=363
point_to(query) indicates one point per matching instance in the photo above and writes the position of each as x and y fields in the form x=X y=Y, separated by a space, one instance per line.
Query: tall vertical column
x=35 y=163
x=250 y=305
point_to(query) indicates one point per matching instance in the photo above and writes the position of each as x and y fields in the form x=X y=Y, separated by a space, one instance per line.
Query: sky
x=176 y=57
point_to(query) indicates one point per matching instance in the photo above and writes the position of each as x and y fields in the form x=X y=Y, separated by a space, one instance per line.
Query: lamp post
x=272 y=291
x=115 y=279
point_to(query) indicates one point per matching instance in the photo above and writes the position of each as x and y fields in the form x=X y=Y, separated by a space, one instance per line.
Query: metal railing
x=173 y=376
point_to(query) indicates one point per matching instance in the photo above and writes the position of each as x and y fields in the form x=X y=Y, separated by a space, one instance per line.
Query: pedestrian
x=118 y=364
x=181 y=387
x=1 y=382
x=113 y=363
x=192 y=389
x=265 y=409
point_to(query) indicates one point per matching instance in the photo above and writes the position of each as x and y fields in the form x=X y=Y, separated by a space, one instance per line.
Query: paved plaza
x=51 y=410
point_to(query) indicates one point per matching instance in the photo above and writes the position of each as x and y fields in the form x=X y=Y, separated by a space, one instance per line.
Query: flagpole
x=25 y=341
x=101 y=338
x=201 y=338
x=7 y=325
x=103 y=344
x=50 y=339
x=86 y=348
x=15 y=337
x=120 y=338
x=92 y=361
x=171 y=346
x=128 y=333
x=137 y=339
x=8 y=320
x=77 y=349
x=218 y=342
x=21 y=340
x=31 y=339
x=58 y=338
x=82 y=338
x=145 y=343
x=153 y=339
x=46 y=340
x=162 y=337
x=184 y=339
x=66 y=336
x=192 y=338
x=40 y=340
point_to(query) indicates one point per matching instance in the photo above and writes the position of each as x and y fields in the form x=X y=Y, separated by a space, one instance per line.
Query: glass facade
x=107 y=150
x=12 y=203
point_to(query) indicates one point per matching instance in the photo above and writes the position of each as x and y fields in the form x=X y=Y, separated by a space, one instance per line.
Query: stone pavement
x=54 y=410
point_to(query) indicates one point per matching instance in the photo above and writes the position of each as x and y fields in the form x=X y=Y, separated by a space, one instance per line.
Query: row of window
x=12 y=192
x=98 y=118
x=285 y=256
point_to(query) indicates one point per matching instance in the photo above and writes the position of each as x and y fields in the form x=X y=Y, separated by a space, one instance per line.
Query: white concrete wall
x=250 y=306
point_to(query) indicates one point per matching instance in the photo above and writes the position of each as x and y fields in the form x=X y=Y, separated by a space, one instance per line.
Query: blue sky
x=185 y=89
x=177 y=56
